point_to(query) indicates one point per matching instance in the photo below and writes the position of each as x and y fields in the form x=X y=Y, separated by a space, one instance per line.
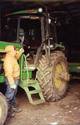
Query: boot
x=11 y=113
x=16 y=109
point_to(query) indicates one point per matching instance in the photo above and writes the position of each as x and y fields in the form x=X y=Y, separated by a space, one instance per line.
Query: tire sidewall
x=4 y=106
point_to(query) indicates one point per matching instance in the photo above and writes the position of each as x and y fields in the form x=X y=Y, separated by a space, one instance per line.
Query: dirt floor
x=63 y=112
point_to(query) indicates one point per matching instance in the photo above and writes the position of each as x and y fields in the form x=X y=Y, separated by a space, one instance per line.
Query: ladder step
x=33 y=99
x=34 y=91
x=38 y=101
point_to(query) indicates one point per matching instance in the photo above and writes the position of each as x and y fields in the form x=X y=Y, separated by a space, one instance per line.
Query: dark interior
x=65 y=16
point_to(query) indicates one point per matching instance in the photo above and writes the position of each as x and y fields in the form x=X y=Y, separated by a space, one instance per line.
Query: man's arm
x=19 y=53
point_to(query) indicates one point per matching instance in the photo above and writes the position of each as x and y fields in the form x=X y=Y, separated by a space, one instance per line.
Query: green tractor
x=44 y=72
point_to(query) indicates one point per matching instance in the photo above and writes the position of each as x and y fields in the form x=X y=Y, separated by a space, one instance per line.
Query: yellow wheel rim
x=59 y=69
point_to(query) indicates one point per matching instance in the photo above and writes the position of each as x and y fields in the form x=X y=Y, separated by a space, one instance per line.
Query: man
x=12 y=73
x=23 y=41
x=21 y=36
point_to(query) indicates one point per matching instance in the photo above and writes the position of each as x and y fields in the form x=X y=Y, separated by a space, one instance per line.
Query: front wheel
x=53 y=78
x=3 y=109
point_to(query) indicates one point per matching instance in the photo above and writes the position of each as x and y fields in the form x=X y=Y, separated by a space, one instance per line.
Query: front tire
x=3 y=109
x=53 y=78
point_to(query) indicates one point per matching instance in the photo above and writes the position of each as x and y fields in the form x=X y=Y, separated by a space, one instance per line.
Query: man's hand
x=21 y=50
x=13 y=86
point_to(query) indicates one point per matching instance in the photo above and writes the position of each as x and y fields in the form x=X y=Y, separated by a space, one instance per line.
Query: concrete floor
x=63 y=112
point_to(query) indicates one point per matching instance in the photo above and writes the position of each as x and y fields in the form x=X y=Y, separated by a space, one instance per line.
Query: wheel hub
x=59 y=76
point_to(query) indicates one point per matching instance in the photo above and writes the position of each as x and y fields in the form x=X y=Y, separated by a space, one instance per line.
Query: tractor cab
x=30 y=27
x=23 y=27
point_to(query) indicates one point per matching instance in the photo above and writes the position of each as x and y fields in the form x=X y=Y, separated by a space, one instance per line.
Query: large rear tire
x=53 y=78
x=3 y=109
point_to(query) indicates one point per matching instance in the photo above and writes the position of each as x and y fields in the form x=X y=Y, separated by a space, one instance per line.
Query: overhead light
x=40 y=10
x=49 y=20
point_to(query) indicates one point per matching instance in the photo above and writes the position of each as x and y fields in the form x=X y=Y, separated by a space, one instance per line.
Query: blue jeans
x=11 y=93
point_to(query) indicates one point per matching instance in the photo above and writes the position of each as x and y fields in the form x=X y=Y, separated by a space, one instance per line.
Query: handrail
x=23 y=60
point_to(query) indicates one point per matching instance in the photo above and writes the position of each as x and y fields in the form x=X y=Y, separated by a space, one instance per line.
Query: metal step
x=39 y=101
x=34 y=91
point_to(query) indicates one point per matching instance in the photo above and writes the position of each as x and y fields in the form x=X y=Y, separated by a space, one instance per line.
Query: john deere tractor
x=43 y=66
